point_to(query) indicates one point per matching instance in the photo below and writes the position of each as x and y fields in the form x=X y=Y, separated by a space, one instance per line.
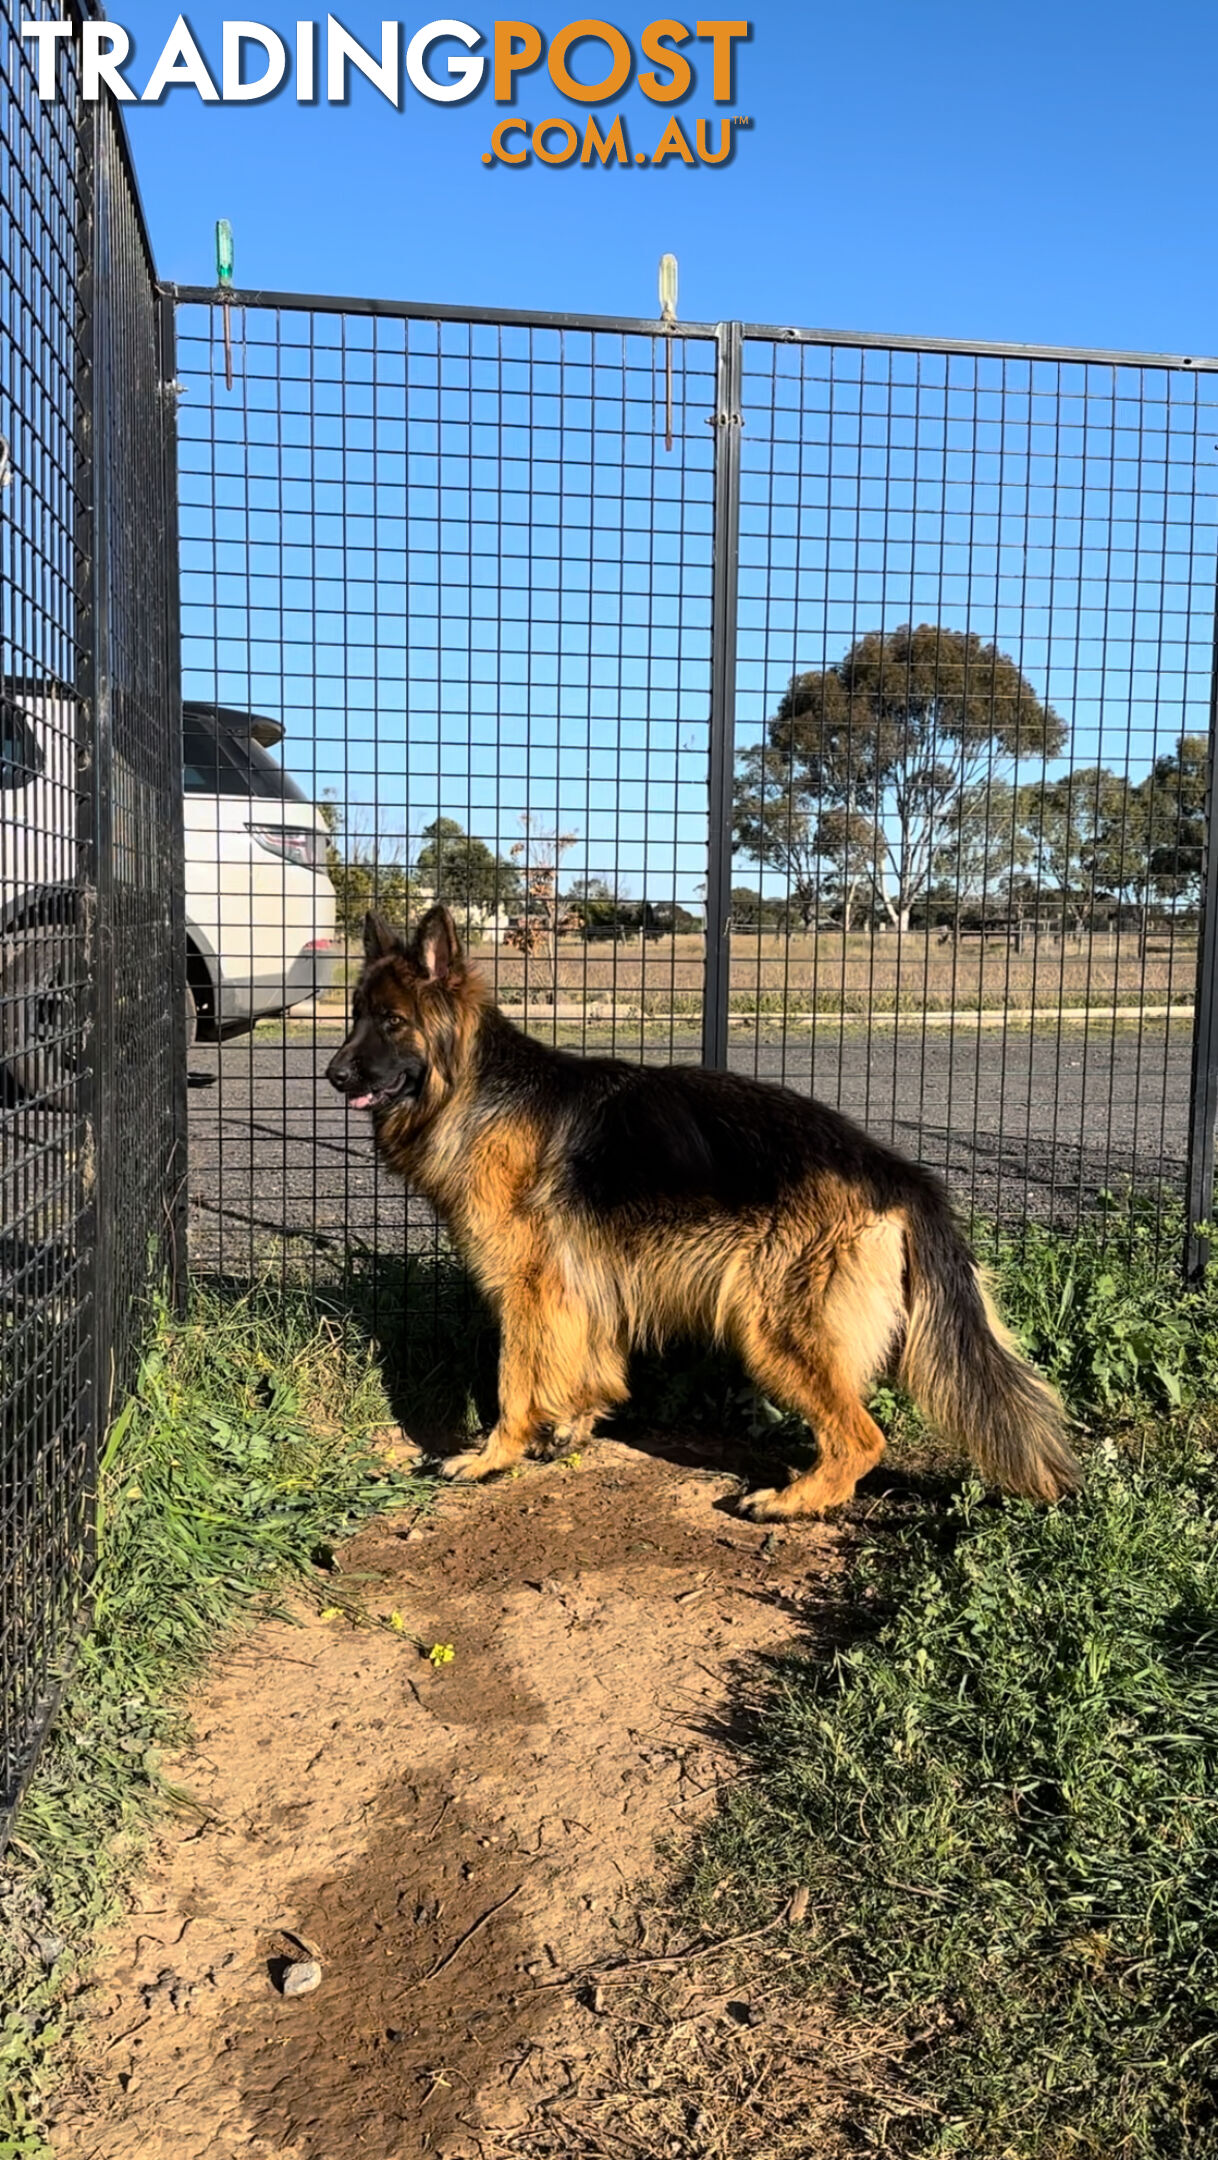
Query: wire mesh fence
x=91 y=1136
x=976 y=629
x=139 y=1060
x=46 y=1358
x=457 y=563
x=834 y=708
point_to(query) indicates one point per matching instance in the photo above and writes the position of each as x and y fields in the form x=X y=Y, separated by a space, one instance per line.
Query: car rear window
x=217 y=762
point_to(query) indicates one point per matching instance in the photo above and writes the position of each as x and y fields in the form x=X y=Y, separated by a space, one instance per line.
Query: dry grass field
x=827 y=973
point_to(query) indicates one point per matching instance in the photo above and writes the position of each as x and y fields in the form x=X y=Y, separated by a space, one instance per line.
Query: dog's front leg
x=524 y=1330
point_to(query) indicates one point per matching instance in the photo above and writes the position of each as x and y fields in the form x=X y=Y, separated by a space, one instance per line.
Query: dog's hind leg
x=818 y=1384
x=817 y=1350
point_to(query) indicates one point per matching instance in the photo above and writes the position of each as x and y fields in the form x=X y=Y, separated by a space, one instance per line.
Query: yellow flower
x=397 y=1623
x=332 y=1612
x=441 y=1653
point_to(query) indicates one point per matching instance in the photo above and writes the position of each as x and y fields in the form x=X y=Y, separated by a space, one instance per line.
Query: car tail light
x=301 y=844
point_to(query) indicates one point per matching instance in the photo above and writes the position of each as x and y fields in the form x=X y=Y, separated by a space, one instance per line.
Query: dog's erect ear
x=437 y=948
x=380 y=939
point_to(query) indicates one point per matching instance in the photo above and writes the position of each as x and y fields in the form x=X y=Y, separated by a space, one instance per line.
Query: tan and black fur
x=602 y=1206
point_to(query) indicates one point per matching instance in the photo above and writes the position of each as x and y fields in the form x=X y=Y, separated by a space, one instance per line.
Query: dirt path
x=451 y=1840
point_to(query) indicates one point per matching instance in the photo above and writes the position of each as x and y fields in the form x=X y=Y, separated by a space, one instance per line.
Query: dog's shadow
x=730 y=1451
x=752 y=1462
x=437 y=1346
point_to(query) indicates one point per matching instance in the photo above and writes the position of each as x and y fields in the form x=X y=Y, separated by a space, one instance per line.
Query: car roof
x=260 y=726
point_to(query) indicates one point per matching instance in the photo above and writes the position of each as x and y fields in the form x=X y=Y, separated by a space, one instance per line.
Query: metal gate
x=836 y=708
x=833 y=707
x=92 y=991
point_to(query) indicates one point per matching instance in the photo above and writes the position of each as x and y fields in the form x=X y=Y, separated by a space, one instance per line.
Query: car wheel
x=38 y=1010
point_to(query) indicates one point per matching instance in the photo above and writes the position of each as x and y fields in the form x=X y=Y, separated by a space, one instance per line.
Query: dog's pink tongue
x=358 y=1102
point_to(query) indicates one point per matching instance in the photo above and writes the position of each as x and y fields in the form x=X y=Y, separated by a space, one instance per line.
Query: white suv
x=259 y=904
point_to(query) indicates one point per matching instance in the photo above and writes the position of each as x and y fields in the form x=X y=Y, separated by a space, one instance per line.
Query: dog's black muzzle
x=374 y=1082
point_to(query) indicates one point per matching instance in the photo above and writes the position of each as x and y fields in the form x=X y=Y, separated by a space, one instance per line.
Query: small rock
x=50 y=1949
x=797 y=1910
x=302 y=1978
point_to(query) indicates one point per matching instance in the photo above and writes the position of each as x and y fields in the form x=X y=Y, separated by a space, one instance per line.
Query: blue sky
x=1040 y=172
x=1041 y=176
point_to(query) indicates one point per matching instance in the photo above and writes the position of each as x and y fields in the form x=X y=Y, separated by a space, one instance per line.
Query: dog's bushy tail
x=965 y=1373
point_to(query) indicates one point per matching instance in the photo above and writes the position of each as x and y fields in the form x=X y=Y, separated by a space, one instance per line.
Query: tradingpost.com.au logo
x=255 y=63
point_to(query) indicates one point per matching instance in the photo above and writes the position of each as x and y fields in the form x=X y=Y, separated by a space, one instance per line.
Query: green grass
x=1103 y=1311
x=1002 y=1796
x=245 y=1450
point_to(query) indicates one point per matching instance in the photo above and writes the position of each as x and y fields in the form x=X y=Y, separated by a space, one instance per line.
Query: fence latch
x=668 y=317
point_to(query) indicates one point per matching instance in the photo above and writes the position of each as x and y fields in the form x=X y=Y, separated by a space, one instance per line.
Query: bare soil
x=466 y=1849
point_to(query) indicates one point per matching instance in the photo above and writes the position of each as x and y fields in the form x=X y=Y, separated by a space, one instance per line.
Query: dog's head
x=409 y=1019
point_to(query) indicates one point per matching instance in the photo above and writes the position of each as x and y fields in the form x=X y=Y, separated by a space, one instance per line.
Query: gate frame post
x=727 y=421
x=177 y=1194
x=100 y=886
x=88 y=873
x=1203 y=1078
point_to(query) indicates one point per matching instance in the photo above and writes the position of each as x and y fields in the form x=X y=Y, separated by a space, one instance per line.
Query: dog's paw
x=805 y=1498
x=761 y=1506
x=467 y=1469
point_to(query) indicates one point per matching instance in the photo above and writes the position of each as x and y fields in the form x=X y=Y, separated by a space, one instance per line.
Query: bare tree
x=547 y=916
x=367 y=868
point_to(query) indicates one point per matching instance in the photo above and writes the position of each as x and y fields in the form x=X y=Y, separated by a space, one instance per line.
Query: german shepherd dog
x=602 y=1205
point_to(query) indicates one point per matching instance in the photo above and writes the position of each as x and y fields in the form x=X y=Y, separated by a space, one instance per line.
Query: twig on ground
x=672 y=1957
x=470 y=1932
